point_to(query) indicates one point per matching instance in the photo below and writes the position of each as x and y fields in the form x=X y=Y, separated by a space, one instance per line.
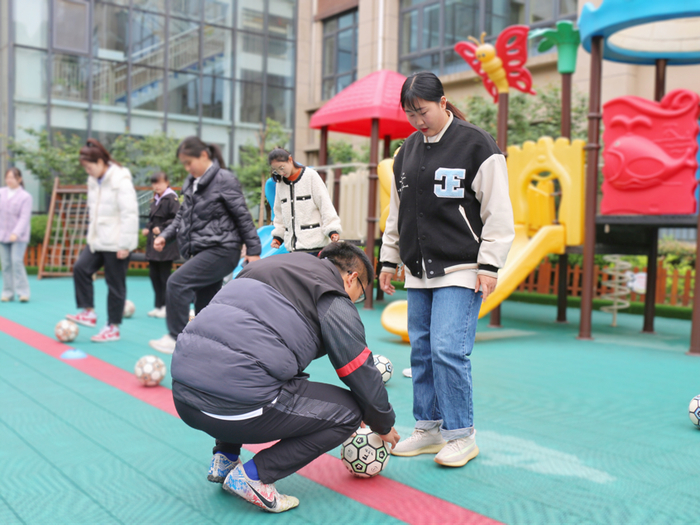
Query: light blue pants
x=14 y=275
x=442 y=328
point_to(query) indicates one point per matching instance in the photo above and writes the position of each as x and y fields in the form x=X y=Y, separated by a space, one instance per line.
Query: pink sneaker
x=108 y=334
x=85 y=318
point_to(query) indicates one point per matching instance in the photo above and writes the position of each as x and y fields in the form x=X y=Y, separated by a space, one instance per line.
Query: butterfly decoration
x=502 y=66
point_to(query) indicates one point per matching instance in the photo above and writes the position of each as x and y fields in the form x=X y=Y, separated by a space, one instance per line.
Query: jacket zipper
x=294 y=230
x=464 y=216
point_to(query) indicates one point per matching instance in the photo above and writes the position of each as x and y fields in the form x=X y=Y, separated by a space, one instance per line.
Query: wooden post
x=695 y=327
x=660 y=79
x=650 y=296
x=387 y=146
x=591 y=190
x=323 y=151
x=372 y=205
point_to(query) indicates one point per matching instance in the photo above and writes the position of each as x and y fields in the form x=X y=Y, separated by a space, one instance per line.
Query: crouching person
x=238 y=369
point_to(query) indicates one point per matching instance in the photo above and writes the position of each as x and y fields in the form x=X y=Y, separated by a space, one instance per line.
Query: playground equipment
x=618 y=284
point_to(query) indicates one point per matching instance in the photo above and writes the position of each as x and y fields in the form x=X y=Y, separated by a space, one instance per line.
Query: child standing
x=451 y=224
x=305 y=219
x=112 y=235
x=15 y=216
x=164 y=208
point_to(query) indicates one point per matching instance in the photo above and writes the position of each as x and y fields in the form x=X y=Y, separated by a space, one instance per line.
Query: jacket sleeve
x=278 y=230
x=170 y=232
x=128 y=214
x=234 y=201
x=390 y=239
x=173 y=208
x=491 y=187
x=25 y=214
x=344 y=341
x=330 y=222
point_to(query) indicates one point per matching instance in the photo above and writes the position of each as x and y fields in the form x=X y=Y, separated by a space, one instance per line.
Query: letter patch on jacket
x=449 y=186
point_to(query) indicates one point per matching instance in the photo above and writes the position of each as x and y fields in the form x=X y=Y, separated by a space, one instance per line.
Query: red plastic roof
x=375 y=96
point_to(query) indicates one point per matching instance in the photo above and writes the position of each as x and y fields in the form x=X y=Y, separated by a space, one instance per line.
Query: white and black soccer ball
x=694 y=411
x=129 y=308
x=66 y=331
x=384 y=366
x=150 y=370
x=364 y=454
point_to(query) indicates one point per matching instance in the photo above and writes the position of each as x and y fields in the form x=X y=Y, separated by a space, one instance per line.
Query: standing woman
x=305 y=219
x=112 y=235
x=164 y=208
x=451 y=224
x=15 y=216
x=211 y=226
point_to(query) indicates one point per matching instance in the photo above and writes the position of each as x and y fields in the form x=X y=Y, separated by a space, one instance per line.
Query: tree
x=150 y=154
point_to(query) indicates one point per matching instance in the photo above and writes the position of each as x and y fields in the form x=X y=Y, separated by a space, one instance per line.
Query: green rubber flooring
x=569 y=431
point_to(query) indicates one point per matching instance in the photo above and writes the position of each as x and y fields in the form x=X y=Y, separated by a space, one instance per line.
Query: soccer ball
x=150 y=370
x=129 y=308
x=694 y=411
x=66 y=331
x=364 y=454
x=384 y=366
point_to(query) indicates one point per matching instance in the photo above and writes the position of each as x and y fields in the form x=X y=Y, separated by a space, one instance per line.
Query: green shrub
x=38 y=229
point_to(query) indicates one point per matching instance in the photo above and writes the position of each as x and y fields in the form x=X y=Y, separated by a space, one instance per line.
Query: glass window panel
x=188 y=8
x=346 y=57
x=461 y=20
x=183 y=51
x=431 y=26
x=146 y=89
x=219 y=12
x=70 y=78
x=213 y=97
x=31 y=22
x=279 y=105
x=567 y=7
x=111 y=32
x=109 y=83
x=280 y=18
x=250 y=15
x=183 y=93
x=280 y=62
x=347 y=19
x=502 y=13
x=30 y=74
x=409 y=32
x=330 y=25
x=249 y=102
x=217 y=51
x=70 y=26
x=343 y=81
x=107 y=126
x=409 y=3
x=151 y=5
x=453 y=63
x=249 y=58
x=424 y=63
x=329 y=55
x=147 y=38
x=541 y=10
x=328 y=88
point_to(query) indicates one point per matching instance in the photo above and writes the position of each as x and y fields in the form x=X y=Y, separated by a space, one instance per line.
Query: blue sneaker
x=220 y=467
x=258 y=493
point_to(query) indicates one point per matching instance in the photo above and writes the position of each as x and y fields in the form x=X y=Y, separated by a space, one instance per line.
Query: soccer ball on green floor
x=364 y=454
x=129 y=308
x=66 y=331
x=384 y=366
x=150 y=370
x=694 y=411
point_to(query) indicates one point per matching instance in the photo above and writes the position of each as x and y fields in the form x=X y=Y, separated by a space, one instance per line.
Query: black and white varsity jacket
x=451 y=209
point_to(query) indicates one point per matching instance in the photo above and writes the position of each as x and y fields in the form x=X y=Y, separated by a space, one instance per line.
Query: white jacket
x=304 y=213
x=114 y=213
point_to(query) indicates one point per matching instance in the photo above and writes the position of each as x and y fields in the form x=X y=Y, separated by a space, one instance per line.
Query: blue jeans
x=442 y=327
x=14 y=275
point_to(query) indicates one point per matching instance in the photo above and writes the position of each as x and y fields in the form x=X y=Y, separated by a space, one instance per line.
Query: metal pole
x=166 y=71
x=695 y=326
x=323 y=151
x=591 y=191
x=502 y=140
x=387 y=146
x=563 y=266
x=660 y=79
x=372 y=207
x=650 y=296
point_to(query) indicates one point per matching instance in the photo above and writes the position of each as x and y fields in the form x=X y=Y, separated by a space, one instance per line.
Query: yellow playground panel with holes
x=546 y=185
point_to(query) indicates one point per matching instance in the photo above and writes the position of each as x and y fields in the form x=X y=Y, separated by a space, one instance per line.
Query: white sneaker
x=458 y=452
x=157 y=312
x=165 y=344
x=408 y=372
x=420 y=442
x=154 y=312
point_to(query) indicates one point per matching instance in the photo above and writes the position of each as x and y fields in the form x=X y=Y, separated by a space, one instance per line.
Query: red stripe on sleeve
x=354 y=364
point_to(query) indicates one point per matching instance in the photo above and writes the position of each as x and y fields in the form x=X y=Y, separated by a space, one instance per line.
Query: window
x=339 y=53
x=71 y=26
x=429 y=29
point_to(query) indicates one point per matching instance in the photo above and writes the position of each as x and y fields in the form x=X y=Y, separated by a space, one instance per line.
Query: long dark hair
x=193 y=147
x=16 y=174
x=94 y=151
x=281 y=155
x=427 y=86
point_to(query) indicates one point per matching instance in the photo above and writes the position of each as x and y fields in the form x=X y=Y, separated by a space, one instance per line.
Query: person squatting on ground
x=164 y=208
x=305 y=219
x=15 y=225
x=451 y=224
x=238 y=369
x=112 y=234
x=211 y=225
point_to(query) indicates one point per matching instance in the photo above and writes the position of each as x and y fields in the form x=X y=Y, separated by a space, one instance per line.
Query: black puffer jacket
x=214 y=215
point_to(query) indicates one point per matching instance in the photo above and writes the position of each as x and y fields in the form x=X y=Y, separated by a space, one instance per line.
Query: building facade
x=213 y=68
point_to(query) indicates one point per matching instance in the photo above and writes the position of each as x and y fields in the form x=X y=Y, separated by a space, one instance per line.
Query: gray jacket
x=214 y=215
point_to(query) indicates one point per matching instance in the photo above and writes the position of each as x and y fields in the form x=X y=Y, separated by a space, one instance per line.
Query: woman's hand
x=122 y=254
x=392 y=437
x=385 y=282
x=275 y=244
x=159 y=244
x=13 y=238
x=144 y=232
x=487 y=284
x=251 y=258
x=156 y=231
x=335 y=237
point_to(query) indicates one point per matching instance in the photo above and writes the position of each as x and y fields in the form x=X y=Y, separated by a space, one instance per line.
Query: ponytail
x=456 y=112
x=193 y=147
